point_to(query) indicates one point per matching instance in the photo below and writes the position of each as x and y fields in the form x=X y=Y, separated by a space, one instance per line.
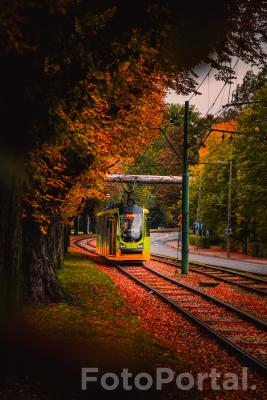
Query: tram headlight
x=140 y=246
x=122 y=246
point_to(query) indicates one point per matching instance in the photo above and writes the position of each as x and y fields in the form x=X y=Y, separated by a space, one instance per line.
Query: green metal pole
x=185 y=194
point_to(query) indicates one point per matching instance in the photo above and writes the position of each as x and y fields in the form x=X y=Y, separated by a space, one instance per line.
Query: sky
x=210 y=89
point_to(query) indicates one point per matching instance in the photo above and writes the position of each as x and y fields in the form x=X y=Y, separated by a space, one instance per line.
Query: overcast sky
x=210 y=90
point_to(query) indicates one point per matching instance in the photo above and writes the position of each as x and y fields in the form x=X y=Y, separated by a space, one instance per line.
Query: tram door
x=112 y=236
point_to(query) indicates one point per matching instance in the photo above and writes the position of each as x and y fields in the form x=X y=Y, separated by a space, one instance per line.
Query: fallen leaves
x=196 y=348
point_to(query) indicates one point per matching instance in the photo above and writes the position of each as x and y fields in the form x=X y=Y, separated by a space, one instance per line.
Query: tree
x=245 y=92
x=250 y=152
x=165 y=157
x=212 y=175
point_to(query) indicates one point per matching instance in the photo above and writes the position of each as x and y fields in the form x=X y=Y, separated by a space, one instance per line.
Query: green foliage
x=210 y=188
x=202 y=242
x=159 y=159
x=245 y=91
x=248 y=152
x=258 y=249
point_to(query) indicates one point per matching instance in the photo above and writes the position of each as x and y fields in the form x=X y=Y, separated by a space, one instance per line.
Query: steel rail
x=238 y=350
x=215 y=268
x=262 y=324
x=76 y=242
x=241 y=285
x=245 y=355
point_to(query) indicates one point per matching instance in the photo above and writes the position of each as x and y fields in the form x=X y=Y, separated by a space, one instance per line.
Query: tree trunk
x=66 y=238
x=245 y=242
x=76 y=226
x=10 y=245
x=92 y=221
x=91 y=210
x=10 y=271
x=85 y=223
x=42 y=256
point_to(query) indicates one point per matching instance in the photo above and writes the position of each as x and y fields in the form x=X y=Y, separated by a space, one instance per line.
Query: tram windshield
x=131 y=227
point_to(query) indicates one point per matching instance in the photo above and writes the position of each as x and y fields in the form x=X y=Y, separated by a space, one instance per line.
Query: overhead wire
x=221 y=99
x=218 y=95
x=229 y=91
x=201 y=83
x=215 y=99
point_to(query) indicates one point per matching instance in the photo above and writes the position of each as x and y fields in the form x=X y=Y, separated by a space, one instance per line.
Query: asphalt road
x=159 y=246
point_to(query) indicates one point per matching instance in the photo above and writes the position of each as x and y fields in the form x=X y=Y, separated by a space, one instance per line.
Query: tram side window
x=101 y=231
x=147 y=225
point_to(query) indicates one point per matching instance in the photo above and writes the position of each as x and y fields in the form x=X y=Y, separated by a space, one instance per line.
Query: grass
x=98 y=316
x=97 y=330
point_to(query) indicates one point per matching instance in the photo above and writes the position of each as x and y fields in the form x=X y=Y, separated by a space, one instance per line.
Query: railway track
x=243 y=280
x=240 y=332
x=84 y=246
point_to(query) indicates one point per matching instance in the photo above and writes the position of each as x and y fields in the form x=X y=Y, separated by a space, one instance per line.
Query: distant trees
x=164 y=157
x=250 y=157
x=248 y=152
x=210 y=182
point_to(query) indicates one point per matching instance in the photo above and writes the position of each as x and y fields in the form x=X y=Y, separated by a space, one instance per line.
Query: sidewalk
x=221 y=253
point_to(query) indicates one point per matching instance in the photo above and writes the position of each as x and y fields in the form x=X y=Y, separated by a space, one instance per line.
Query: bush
x=254 y=249
x=192 y=239
x=202 y=242
x=262 y=250
x=235 y=245
x=257 y=249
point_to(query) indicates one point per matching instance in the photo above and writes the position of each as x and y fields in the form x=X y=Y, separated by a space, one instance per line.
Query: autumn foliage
x=216 y=137
x=117 y=125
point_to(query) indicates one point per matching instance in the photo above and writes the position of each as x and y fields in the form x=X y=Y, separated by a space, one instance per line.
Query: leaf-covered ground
x=190 y=343
x=112 y=323
x=250 y=302
x=97 y=329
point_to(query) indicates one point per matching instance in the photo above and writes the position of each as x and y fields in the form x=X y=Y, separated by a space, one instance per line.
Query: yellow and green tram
x=122 y=234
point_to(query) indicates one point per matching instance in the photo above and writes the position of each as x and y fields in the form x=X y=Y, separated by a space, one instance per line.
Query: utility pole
x=185 y=194
x=229 y=212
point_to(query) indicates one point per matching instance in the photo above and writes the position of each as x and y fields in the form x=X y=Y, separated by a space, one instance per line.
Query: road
x=159 y=246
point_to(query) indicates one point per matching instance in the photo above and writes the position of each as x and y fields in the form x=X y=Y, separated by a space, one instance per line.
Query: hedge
x=202 y=242
x=257 y=249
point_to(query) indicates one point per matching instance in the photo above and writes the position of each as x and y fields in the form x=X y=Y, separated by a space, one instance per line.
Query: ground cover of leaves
x=96 y=329
x=250 y=302
x=190 y=343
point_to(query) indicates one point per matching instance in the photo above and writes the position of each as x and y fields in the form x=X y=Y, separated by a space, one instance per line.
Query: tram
x=122 y=234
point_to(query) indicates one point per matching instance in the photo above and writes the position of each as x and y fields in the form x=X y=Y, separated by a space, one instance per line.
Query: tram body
x=122 y=234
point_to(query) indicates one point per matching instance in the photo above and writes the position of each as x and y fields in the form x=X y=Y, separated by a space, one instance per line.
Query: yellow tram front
x=123 y=233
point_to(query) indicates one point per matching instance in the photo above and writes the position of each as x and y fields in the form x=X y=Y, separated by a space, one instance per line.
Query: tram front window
x=131 y=227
